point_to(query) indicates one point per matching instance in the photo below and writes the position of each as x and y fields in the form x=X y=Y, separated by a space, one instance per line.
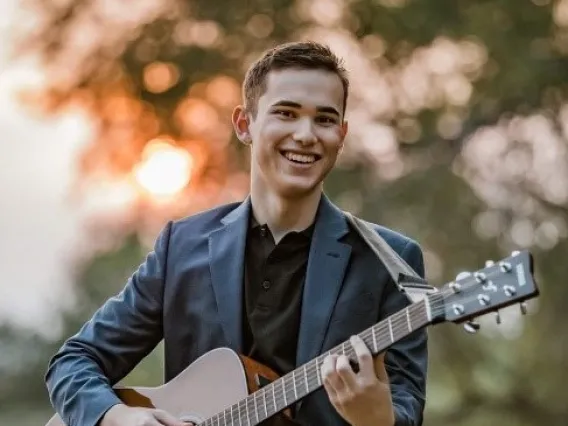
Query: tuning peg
x=484 y=299
x=497 y=317
x=480 y=277
x=515 y=253
x=523 y=306
x=489 y=263
x=462 y=275
x=471 y=327
x=456 y=288
x=458 y=309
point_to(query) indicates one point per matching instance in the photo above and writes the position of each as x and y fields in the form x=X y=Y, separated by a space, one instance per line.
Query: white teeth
x=301 y=158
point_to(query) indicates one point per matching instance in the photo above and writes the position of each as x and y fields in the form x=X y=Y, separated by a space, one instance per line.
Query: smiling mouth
x=300 y=158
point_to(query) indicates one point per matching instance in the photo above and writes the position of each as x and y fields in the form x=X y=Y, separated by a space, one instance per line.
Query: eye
x=284 y=113
x=324 y=119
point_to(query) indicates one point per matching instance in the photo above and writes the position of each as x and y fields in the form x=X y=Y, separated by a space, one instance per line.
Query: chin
x=297 y=191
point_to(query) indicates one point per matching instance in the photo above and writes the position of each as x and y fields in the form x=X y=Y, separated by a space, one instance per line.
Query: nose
x=304 y=132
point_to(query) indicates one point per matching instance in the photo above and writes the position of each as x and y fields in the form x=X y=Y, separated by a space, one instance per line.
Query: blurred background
x=115 y=117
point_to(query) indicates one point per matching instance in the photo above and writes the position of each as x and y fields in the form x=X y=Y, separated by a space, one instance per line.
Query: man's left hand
x=362 y=398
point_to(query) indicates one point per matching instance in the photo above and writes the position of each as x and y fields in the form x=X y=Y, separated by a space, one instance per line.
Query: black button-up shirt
x=274 y=282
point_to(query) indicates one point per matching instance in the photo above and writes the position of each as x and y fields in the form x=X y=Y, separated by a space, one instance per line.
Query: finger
x=329 y=376
x=345 y=372
x=364 y=357
x=167 y=419
x=380 y=369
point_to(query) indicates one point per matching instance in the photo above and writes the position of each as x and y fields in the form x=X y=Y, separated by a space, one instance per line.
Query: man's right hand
x=123 y=415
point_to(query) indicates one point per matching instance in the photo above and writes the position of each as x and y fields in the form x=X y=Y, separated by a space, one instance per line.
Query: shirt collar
x=308 y=232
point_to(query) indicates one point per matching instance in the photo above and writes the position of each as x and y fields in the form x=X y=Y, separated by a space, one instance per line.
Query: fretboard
x=304 y=380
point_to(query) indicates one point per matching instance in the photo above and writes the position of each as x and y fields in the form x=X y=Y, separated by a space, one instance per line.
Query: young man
x=280 y=277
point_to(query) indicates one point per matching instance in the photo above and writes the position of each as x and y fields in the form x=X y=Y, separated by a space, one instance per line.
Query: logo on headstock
x=520 y=275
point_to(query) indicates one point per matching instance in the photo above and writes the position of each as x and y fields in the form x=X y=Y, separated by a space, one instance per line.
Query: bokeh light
x=164 y=170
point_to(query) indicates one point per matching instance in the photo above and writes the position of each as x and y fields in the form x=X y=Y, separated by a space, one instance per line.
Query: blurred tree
x=459 y=123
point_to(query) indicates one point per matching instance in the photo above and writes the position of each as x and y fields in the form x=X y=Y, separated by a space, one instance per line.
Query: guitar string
x=400 y=318
x=395 y=326
x=236 y=411
x=238 y=407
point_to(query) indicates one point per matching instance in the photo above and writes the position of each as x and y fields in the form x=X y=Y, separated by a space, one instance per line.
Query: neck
x=281 y=214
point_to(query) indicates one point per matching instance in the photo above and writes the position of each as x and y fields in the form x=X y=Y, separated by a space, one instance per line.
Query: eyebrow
x=324 y=109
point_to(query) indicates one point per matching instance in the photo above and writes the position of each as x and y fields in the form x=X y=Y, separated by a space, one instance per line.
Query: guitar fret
x=312 y=375
x=274 y=397
x=418 y=313
x=232 y=418
x=395 y=322
x=415 y=317
x=410 y=316
x=375 y=347
x=294 y=384
x=390 y=329
x=302 y=388
x=265 y=404
x=254 y=413
x=256 y=408
x=408 y=319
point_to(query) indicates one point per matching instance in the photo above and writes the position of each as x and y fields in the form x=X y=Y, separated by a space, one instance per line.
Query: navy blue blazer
x=188 y=292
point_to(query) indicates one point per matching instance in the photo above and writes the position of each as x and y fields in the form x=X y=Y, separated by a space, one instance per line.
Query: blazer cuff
x=402 y=418
x=92 y=413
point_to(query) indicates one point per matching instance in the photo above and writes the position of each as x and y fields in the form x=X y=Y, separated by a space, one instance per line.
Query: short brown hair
x=302 y=55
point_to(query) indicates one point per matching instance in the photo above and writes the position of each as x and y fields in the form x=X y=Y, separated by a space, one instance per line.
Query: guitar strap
x=405 y=278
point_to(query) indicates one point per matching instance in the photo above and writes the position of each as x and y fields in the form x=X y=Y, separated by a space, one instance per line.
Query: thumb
x=167 y=419
x=380 y=369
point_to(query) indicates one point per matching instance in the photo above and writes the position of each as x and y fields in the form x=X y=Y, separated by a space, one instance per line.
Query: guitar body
x=213 y=382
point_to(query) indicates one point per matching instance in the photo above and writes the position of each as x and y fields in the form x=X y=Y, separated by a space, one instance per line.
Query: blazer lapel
x=327 y=263
x=227 y=258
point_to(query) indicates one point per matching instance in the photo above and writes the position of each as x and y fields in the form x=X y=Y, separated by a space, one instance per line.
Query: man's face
x=298 y=131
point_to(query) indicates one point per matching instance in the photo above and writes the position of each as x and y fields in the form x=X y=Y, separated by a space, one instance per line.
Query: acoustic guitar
x=223 y=388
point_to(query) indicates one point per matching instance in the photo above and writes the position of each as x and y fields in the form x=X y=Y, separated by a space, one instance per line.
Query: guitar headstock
x=500 y=284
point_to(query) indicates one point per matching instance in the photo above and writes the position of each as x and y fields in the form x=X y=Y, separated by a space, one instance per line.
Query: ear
x=344 y=129
x=241 y=125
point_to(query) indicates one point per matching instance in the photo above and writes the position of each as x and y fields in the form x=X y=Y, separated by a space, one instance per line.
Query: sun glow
x=165 y=169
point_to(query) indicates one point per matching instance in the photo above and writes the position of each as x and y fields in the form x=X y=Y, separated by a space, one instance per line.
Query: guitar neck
x=304 y=380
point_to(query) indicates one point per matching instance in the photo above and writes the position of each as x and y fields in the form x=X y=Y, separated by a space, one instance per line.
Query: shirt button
x=263 y=231
x=266 y=284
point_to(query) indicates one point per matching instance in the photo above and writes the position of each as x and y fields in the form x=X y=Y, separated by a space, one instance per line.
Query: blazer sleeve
x=406 y=361
x=124 y=330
